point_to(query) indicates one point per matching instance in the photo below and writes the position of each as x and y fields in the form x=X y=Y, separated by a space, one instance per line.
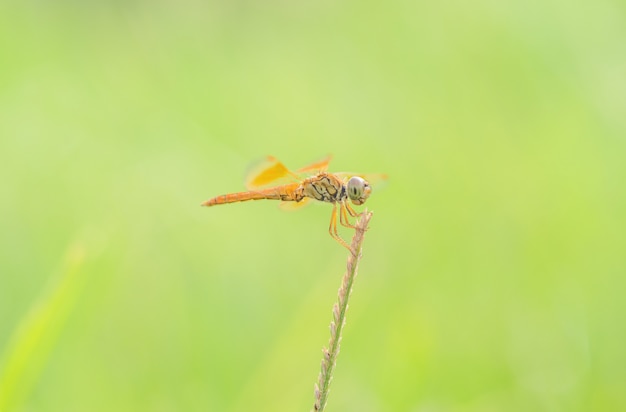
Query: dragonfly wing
x=318 y=166
x=294 y=205
x=269 y=171
x=374 y=179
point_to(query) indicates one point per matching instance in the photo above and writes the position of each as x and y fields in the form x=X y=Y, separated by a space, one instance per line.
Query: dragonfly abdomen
x=278 y=193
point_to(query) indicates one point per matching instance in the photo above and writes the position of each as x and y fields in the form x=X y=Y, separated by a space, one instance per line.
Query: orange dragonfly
x=320 y=185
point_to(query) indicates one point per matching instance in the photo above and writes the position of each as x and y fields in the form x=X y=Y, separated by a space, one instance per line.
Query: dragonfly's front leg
x=352 y=212
x=343 y=216
x=333 y=229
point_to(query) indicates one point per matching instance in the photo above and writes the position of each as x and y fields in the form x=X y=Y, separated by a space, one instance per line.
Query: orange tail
x=278 y=193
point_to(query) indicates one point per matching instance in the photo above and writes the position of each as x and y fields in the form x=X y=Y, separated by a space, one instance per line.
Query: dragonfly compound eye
x=356 y=189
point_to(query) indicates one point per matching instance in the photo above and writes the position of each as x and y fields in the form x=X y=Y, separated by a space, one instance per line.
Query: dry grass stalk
x=339 y=314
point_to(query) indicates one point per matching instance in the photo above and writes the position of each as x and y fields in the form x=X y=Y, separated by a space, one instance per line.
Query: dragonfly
x=312 y=182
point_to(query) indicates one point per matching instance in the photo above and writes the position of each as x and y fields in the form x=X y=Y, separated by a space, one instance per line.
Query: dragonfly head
x=358 y=190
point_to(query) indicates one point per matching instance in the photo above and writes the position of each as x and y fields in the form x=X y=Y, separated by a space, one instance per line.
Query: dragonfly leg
x=343 y=216
x=333 y=229
x=352 y=212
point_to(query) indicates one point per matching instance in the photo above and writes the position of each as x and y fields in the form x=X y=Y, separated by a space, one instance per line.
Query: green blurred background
x=493 y=275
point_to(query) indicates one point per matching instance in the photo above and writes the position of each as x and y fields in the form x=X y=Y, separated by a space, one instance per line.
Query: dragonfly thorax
x=324 y=187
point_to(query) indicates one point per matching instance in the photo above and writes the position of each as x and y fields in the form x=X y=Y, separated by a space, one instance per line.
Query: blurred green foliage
x=493 y=275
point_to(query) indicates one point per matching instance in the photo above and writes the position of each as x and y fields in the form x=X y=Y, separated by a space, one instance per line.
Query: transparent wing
x=290 y=206
x=318 y=166
x=376 y=180
x=269 y=171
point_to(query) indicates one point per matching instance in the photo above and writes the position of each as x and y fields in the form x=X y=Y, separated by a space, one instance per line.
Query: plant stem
x=339 y=314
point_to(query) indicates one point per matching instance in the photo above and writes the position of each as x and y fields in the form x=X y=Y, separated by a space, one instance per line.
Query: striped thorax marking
x=324 y=187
